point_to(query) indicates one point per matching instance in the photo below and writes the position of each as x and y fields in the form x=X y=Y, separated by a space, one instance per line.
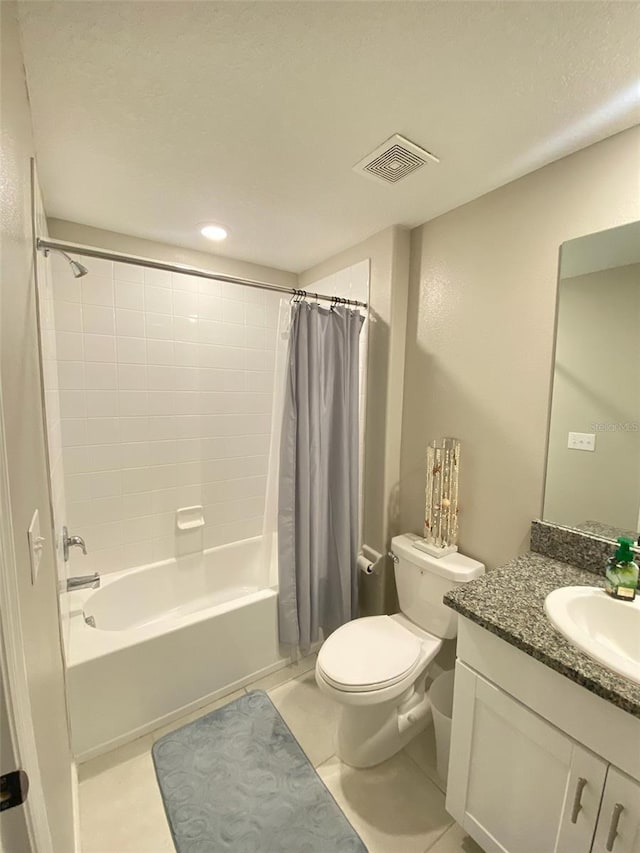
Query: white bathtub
x=168 y=638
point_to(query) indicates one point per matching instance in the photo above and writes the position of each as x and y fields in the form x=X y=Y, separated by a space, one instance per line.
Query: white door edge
x=14 y=670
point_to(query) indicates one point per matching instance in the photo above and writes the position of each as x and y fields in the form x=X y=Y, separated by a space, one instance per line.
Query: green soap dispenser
x=622 y=573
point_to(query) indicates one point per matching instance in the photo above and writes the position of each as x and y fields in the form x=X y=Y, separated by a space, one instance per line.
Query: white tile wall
x=165 y=401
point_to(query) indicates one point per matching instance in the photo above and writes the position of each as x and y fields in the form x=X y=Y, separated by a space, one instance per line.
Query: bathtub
x=156 y=642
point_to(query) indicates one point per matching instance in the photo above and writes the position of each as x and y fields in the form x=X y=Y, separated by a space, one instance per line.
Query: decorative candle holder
x=441 y=499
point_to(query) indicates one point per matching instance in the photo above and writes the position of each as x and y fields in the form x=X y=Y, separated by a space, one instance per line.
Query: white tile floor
x=396 y=807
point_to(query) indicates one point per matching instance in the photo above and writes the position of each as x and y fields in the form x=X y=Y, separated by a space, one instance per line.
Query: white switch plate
x=36 y=543
x=582 y=441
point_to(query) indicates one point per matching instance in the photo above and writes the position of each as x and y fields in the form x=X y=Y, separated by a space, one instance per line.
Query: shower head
x=77 y=268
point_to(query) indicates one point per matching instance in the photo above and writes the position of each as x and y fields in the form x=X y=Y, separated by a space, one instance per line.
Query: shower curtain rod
x=45 y=245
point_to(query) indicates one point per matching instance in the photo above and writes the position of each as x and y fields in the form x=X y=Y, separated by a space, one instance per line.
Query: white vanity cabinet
x=515 y=779
x=523 y=779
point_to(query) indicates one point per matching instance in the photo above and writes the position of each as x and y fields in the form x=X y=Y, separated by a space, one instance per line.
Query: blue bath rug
x=237 y=781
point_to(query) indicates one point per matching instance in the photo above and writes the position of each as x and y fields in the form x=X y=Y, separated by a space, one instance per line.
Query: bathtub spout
x=83 y=582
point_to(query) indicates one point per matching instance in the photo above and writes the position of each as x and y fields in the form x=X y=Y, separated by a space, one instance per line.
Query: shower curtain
x=318 y=480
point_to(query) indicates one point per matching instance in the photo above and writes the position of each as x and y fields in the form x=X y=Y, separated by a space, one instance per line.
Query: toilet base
x=369 y=735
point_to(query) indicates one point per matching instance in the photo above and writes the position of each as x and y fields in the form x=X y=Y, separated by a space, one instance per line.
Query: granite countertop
x=509 y=602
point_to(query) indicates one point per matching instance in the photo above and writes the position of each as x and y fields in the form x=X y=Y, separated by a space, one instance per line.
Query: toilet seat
x=369 y=654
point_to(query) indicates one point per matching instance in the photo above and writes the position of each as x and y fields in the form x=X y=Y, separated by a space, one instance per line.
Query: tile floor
x=396 y=807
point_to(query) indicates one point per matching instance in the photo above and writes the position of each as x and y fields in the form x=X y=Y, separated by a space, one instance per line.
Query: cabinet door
x=618 y=829
x=516 y=783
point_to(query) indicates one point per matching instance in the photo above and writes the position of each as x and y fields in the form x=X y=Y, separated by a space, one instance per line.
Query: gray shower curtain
x=318 y=484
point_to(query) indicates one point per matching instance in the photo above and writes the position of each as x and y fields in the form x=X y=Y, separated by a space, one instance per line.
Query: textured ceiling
x=152 y=117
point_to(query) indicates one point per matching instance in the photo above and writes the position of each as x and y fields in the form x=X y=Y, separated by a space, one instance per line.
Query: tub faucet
x=83 y=582
x=71 y=542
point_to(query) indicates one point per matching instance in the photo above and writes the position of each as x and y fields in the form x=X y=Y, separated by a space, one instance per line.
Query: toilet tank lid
x=455 y=567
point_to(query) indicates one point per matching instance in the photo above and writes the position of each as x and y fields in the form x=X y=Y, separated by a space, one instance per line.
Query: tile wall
x=165 y=396
x=166 y=388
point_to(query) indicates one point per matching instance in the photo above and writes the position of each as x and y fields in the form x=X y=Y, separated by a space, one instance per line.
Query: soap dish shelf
x=189 y=517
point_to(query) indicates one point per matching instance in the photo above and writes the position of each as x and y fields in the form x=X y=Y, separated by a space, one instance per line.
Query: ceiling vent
x=394 y=160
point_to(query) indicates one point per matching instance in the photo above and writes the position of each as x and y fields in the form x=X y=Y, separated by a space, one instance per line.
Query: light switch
x=582 y=441
x=36 y=544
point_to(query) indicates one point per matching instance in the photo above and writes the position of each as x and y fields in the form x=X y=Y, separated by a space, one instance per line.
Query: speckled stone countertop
x=509 y=602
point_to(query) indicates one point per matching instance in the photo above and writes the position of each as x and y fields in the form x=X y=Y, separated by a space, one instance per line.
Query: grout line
x=326 y=761
x=422 y=770
x=441 y=836
x=269 y=690
x=291 y=677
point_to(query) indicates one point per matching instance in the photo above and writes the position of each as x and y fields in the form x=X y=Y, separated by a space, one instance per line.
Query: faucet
x=83 y=582
x=71 y=542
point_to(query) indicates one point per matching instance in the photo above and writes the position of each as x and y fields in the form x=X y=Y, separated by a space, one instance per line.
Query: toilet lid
x=367 y=653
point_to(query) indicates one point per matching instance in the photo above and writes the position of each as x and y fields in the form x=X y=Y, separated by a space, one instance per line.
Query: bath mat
x=237 y=781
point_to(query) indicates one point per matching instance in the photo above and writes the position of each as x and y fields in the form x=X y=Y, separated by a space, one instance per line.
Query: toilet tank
x=423 y=580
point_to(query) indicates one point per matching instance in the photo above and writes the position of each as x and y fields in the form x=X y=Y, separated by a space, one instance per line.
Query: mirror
x=593 y=454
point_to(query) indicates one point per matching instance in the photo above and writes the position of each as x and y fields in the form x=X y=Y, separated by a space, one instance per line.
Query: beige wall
x=388 y=252
x=596 y=381
x=480 y=336
x=20 y=376
x=73 y=232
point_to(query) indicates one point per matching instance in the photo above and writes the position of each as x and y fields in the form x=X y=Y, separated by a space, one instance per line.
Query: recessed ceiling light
x=214 y=232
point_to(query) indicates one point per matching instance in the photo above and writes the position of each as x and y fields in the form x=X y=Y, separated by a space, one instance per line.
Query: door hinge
x=14 y=788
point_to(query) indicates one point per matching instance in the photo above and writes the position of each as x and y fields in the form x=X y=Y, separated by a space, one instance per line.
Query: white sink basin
x=602 y=627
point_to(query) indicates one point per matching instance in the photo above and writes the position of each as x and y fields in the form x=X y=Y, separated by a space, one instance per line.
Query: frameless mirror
x=593 y=455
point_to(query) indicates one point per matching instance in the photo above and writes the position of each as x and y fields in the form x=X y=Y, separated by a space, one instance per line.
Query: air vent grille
x=394 y=160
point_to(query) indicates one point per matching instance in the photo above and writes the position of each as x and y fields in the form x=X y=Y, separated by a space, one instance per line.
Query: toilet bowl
x=376 y=667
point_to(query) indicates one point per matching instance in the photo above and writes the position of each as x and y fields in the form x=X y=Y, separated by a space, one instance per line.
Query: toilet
x=376 y=667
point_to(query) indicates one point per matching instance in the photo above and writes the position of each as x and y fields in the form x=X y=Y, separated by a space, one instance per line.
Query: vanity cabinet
x=520 y=784
x=526 y=786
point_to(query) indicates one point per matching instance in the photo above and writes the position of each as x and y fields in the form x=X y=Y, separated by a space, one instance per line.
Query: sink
x=606 y=629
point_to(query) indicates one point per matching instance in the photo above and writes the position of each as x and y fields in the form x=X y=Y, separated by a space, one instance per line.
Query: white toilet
x=376 y=667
